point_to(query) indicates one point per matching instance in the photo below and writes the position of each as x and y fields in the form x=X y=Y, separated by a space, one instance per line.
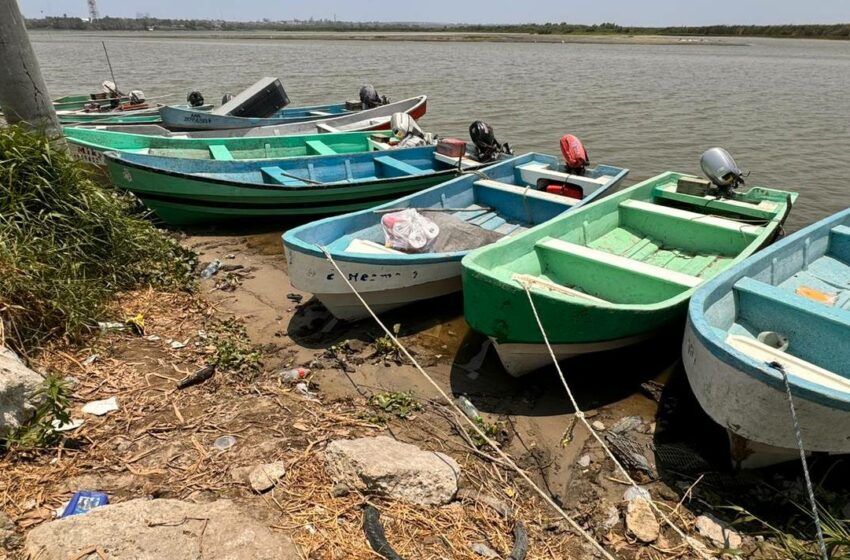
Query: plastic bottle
x=294 y=374
x=468 y=408
x=211 y=269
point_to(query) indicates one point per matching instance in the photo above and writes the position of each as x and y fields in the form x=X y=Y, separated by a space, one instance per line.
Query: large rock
x=398 y=470
x=18 y=384
x=640 y=520
x=157 y=529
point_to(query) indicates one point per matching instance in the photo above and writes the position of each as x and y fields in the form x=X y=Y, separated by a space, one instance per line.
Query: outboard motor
x=575 y=155
x=408 y=132
x=370 y=99
x=722 y=170
x=226 y=98
x=486 y=146
x=137 y=97
x=110 y=88
x=195 y=98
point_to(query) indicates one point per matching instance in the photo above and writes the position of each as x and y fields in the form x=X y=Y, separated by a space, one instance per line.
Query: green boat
x=89 y=144
x=77 y=102
x=616 y=271
x=197 y=191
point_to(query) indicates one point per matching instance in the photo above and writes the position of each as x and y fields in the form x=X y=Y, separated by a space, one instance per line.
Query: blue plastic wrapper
x=84 y=501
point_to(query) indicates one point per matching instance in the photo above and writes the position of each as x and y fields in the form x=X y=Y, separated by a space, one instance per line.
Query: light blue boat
x=183 y=117
x=787 y=309
x=472 y=210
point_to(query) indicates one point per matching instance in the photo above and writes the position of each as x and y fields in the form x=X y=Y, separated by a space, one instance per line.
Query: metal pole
x=23 y=94
x=111 y=73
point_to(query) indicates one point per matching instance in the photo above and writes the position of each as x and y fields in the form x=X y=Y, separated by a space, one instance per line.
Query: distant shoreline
x=430 y=36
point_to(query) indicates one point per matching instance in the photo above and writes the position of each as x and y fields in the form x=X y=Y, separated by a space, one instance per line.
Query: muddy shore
x=160 y=443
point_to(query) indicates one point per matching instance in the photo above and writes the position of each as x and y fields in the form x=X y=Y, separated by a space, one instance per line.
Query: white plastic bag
x=408 y=230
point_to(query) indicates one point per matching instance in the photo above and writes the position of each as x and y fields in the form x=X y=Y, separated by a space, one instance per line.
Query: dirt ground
x=160 y=442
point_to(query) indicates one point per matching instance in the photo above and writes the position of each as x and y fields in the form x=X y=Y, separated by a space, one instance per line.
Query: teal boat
x=198 y=191
x=79 y=101
x=785 y=311
x=613 y=272
x=89 y=144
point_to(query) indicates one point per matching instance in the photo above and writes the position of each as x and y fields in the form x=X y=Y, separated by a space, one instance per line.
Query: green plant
x=491 y=430
x=400 y=404
x=836 y=533
x=386 y=348
x=53 y=404
x=233 y=348
x=67 y=245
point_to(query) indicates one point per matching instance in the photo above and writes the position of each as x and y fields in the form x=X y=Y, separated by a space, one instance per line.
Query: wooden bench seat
x=398 y=165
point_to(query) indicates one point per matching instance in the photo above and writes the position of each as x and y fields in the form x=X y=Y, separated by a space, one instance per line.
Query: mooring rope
x=694 y=544
x=504 y=456
x=799 y=435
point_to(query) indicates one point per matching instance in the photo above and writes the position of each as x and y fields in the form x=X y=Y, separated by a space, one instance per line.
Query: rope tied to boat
x=484 y=437
x=694 y=544
x=799 y=436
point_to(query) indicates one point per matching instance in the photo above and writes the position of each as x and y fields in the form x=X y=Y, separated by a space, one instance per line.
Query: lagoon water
x=781 y=107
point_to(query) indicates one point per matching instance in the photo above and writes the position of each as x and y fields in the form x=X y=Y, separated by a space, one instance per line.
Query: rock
x=640 y=520
x=394 y=469
x=598 y=426
x=718 y=532
x=340 y=490
x=483 y=550
x=7 y=531
x=156 y=529
x=18 y=385
x=584 y=461
x=612 y=517
x=262 y=478
x=633 y=492
x=628 y=424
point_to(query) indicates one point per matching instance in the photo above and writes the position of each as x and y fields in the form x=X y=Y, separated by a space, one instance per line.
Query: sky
x=623 y=12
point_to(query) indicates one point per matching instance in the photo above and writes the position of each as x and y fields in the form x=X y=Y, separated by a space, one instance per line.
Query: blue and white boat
x=472 y=210
x=787 y=309
x=183 y=117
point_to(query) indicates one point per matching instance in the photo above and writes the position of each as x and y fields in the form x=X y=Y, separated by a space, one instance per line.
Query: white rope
x=821 y=543
x=502 y=455
x=696 y=545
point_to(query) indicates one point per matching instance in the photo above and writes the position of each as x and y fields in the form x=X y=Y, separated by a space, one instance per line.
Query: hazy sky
x=625 y=12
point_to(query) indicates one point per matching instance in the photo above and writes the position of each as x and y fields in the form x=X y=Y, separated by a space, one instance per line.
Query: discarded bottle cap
x=224 y=442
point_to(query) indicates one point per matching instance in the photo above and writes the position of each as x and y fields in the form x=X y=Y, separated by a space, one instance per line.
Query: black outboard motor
x=486 y=146
x=226 y=98
x=195 y=99
x=370 y=99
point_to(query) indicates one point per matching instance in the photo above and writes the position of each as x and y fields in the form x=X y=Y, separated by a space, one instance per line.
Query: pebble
x=263 y=477
x=632 y=493
x=718 y=532
x=598 y=426
x=584 y=461
x=483 y=550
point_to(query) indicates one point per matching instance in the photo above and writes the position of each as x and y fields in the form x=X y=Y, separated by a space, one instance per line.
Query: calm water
x=781 y=107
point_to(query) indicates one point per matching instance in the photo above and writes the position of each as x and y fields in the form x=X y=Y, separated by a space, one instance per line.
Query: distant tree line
x=834 y=31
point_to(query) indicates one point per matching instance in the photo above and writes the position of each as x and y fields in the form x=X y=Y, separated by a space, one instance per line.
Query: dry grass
x=160 y=444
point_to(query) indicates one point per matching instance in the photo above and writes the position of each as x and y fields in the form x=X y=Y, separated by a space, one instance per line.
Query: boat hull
x=187 y=119
x=522 y=359
x=384 y=286
x=756 y=411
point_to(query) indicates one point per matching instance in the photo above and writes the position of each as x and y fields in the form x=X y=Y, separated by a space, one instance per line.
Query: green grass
x=401 y=404
x=67 y=244
x=54 y=403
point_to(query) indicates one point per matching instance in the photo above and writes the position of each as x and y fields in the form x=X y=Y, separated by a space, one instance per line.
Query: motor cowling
x=408 y=132
x=226 y=98
x=369 y=97
x=137 y=97
x=484 y=139
x=110 y=88
x=721 y=169
x=575 y=154
x=195 y=98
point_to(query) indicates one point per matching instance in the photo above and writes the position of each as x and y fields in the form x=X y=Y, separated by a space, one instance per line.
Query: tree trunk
x=23 y=95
